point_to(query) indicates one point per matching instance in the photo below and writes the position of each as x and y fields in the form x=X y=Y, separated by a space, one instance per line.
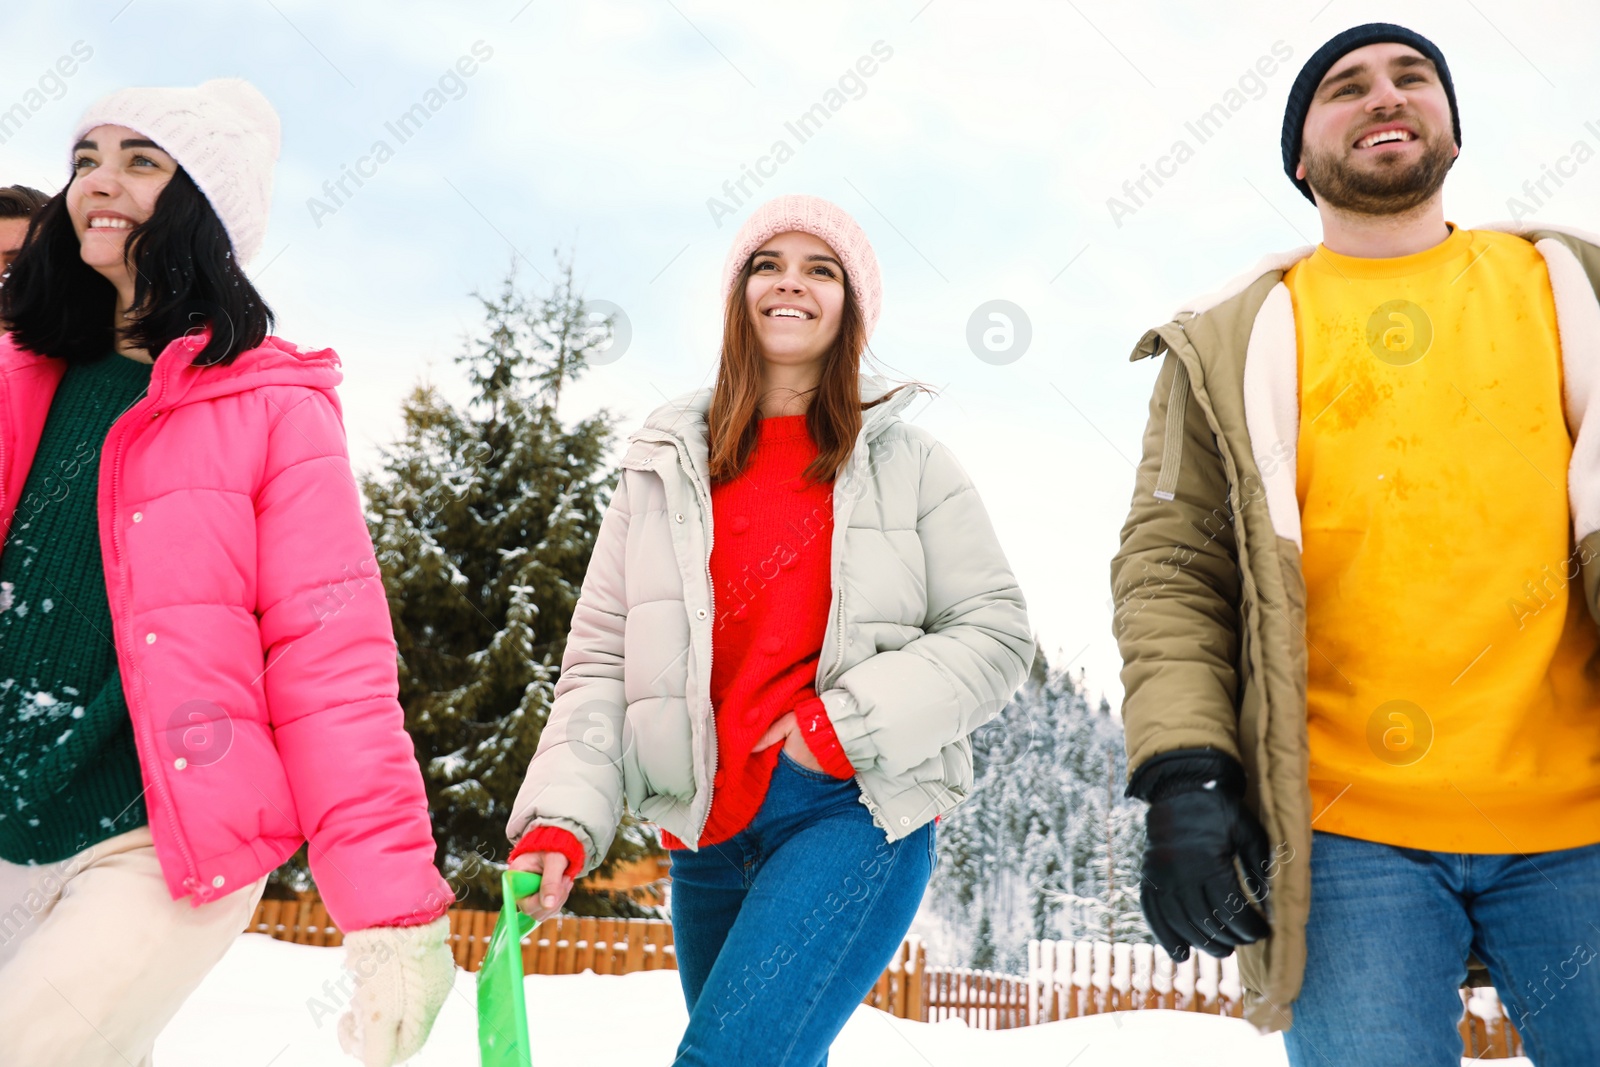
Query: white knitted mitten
x=403 y=974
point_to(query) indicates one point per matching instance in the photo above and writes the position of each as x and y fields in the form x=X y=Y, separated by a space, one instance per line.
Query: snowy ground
x=274 y=1003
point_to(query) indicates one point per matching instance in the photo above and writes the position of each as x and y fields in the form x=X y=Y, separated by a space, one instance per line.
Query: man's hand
x=1194 y=830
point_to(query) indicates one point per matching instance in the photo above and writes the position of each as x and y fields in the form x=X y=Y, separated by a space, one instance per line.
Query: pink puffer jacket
x=251 y=628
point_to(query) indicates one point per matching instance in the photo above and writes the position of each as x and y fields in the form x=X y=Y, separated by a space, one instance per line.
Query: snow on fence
x=1486 y=1031
x=1067 y=979
x=984 y=1000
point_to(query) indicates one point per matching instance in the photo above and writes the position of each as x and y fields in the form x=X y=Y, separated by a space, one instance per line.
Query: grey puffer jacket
x=927 y=637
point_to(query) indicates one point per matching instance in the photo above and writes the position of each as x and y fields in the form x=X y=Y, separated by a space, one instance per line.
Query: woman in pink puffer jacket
x=227 y=655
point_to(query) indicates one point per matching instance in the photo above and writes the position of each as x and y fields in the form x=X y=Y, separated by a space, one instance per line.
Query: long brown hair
x=834 y=415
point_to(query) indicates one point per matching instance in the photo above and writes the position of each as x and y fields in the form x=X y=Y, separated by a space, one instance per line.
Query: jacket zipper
x=838 y=661
x=11 y=514
x=702 y=495
x=122 y=428
x=838 y=629
x=711 y=645
x=837 y=594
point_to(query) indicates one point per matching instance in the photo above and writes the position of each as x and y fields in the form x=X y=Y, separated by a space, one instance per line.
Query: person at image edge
x=1356 y=599
x=197 y=667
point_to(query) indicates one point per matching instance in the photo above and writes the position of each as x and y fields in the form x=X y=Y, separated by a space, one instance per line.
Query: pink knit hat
x=820 y=218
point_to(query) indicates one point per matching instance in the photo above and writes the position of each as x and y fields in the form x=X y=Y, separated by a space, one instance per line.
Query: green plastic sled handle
x=519 y=884
x=502 y=1010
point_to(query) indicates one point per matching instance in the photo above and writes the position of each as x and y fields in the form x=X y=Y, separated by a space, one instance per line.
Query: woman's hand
x=787 y=730
x=402 y=974
x=554 y=885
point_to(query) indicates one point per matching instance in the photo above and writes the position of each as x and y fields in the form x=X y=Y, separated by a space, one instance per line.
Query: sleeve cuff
x=849 y=728
x=817 y=731
x=552 y=839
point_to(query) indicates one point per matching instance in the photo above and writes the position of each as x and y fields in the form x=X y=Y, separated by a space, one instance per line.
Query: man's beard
x=1391 y=190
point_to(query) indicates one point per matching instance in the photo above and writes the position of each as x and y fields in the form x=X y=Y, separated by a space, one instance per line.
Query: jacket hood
x=176 y=380
x=274 y=362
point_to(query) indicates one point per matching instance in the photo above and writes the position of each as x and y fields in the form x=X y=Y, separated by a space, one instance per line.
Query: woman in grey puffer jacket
x=791 y=699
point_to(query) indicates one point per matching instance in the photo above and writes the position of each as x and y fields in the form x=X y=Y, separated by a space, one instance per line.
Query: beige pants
x=96 y=957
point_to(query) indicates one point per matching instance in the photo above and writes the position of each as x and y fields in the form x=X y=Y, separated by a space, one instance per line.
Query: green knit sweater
x=69 y=772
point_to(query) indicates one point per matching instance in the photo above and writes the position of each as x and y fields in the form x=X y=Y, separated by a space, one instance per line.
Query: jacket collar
x=1270 y=386
x=683 y=419
x=1280 y=262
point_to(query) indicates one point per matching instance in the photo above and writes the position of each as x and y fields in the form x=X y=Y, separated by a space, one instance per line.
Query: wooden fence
x=902 y=988
x=571 y=944
x=1065 y=980
x=984 y=1000
x=1486 y=1032
x=563 y=944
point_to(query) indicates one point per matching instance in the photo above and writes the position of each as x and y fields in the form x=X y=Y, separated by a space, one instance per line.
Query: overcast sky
x=981 y=154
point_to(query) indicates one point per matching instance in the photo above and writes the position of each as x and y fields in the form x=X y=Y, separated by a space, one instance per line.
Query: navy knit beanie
x=1317 y=67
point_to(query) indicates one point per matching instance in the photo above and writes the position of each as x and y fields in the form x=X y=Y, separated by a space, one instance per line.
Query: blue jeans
x=1387 y=944
x=782 y=929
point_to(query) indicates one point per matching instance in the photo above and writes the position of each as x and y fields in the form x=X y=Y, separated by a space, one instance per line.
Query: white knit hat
x=223 y=132
x=820 y=218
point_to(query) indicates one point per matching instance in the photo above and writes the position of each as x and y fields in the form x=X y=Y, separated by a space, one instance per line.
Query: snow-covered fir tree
x=484 y=516
x=1046 y=846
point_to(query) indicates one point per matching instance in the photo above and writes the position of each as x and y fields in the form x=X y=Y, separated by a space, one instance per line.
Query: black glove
x=1195 y=827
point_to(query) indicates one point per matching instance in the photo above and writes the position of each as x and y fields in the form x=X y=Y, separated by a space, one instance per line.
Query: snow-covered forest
x=1046 y=846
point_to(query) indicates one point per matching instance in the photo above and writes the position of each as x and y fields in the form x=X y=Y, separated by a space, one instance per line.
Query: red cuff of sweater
x=817 y=730
x=552 y=839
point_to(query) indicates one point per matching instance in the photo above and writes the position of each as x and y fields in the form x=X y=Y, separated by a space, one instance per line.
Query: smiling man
x=1357 y=599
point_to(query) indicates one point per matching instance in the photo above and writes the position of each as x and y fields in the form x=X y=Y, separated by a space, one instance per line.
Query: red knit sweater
x=770 y=571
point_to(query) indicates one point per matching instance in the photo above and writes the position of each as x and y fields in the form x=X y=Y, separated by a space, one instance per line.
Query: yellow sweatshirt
x=1454 y=685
